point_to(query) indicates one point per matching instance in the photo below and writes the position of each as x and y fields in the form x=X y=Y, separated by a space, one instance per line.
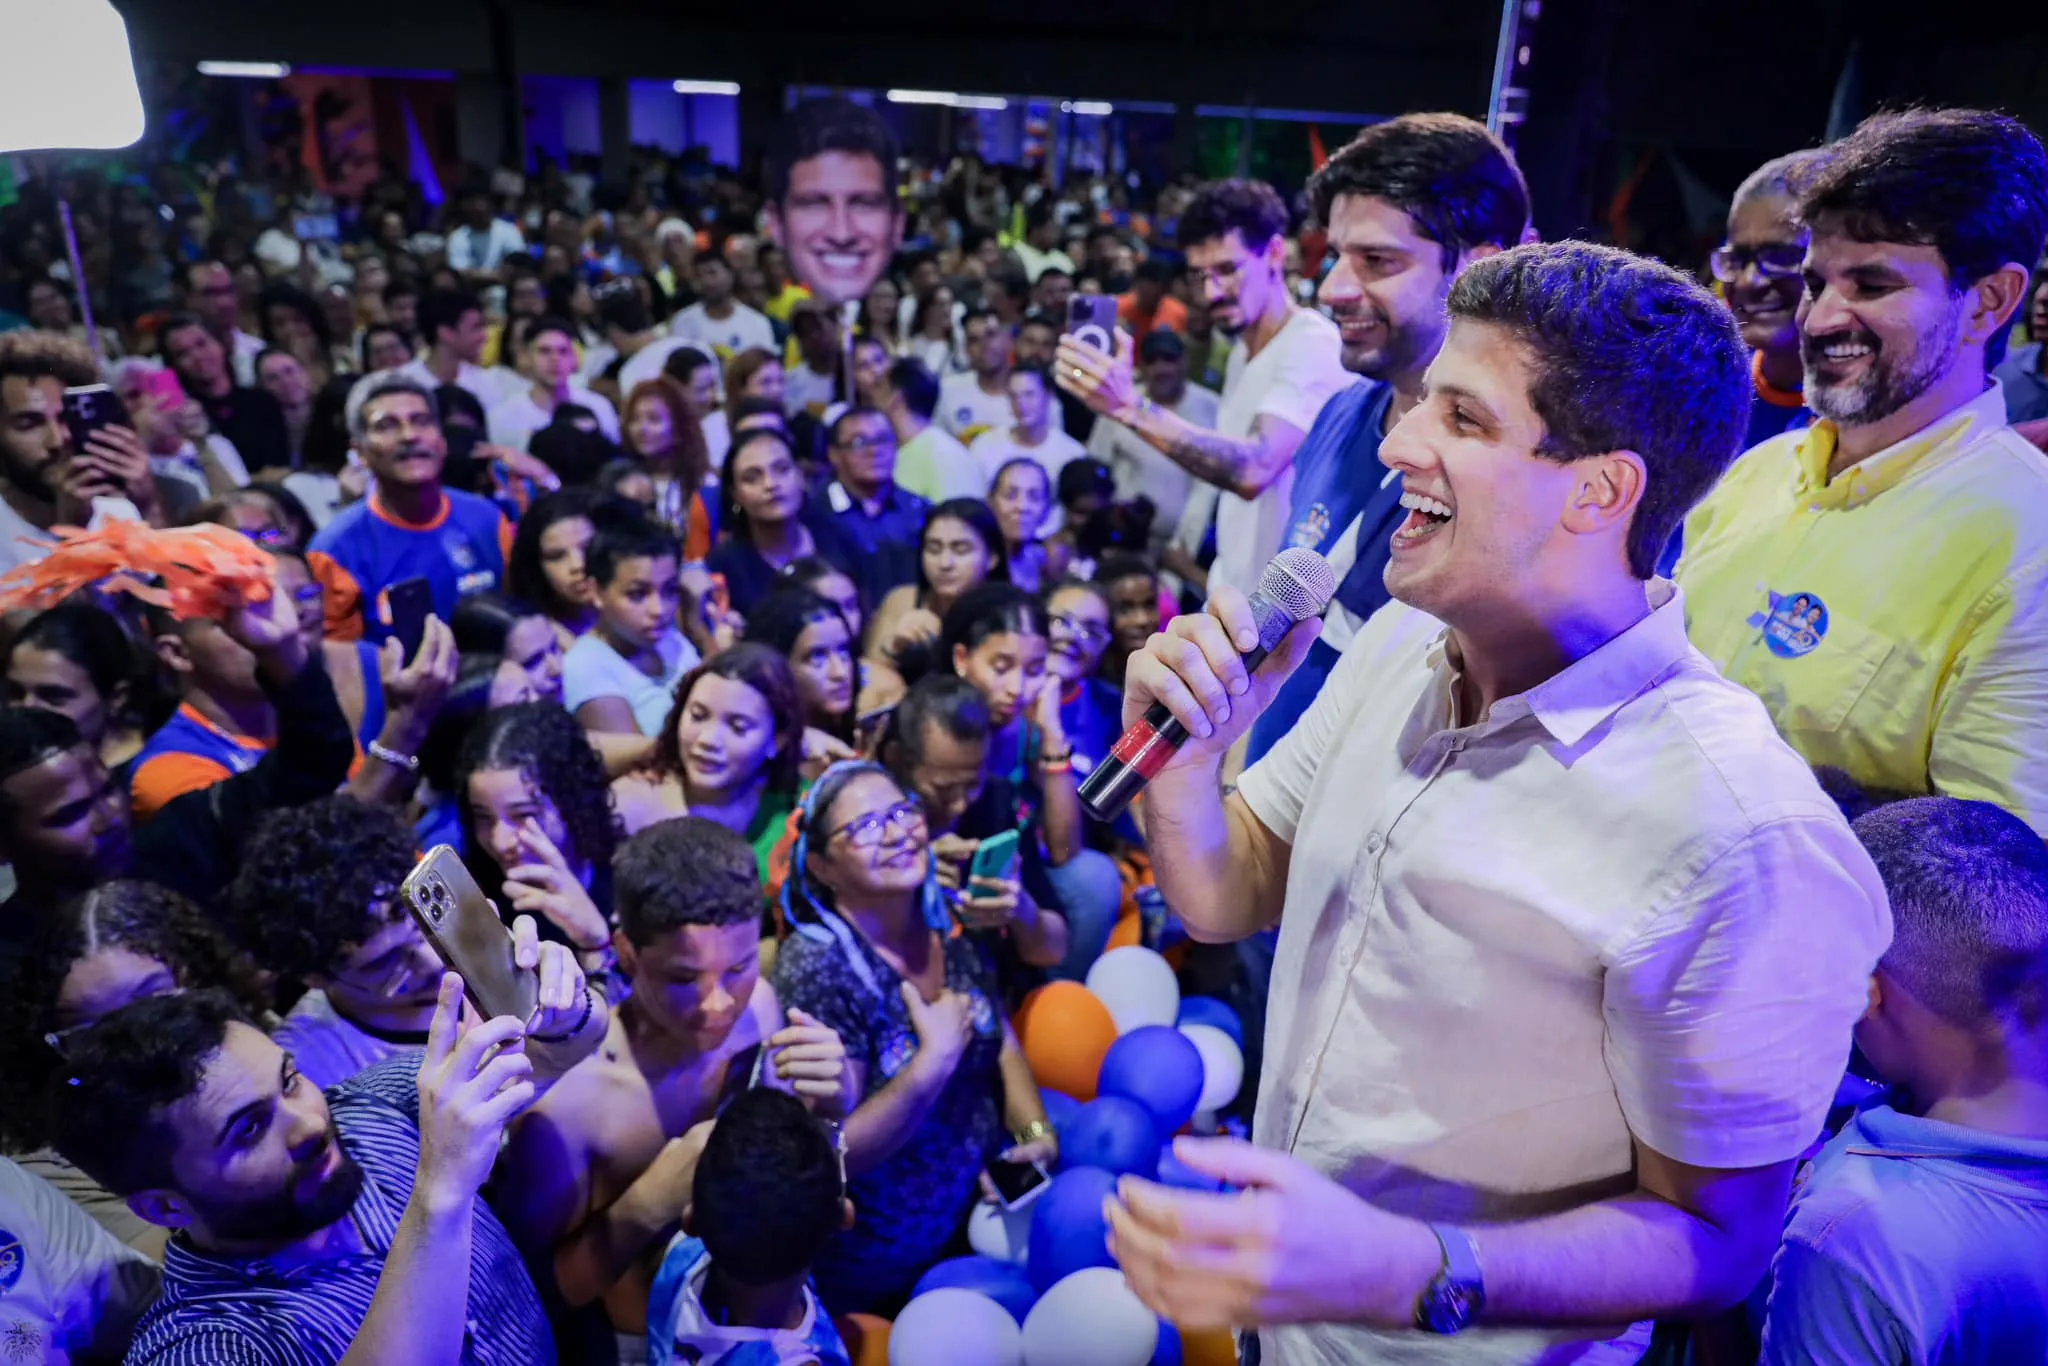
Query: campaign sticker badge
x=1312 y=528
x=13 y=1261
x=1793 y=625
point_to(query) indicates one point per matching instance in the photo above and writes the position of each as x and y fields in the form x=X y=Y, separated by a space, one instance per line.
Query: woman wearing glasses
x=943 y=1084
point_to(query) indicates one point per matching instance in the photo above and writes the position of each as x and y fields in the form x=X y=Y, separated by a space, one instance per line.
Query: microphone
x=1297 y=585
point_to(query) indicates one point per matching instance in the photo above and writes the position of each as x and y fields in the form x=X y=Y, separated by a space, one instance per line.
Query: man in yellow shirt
x=1881 y=579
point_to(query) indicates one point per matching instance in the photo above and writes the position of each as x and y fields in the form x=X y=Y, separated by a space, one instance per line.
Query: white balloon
x=1090 y=1318
x=1002 y=1234
x=955 y=1327
x=1138 y=987
x=1222 y=1067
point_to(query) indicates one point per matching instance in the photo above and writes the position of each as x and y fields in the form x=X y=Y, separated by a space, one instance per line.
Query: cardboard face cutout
x=832 y=201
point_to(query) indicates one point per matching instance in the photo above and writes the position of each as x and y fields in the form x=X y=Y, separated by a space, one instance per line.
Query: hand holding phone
x=463 y=927
x=1016 y=1183
x=409 y=603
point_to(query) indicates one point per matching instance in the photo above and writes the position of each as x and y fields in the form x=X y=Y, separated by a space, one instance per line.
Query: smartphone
x=721 y=597
x=463 y=926
x=162 y=388
x=410 y=602
x=996 y=857
x=88 y=408
x=1018 y=1183
x=1091 y=320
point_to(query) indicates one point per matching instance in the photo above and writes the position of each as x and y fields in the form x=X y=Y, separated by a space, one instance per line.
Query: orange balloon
x=867 y=1339
x=1066 y=1032
x=1209 y=1347
x=1129 y=931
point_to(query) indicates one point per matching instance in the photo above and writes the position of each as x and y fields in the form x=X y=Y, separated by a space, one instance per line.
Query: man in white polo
x=1571 y=943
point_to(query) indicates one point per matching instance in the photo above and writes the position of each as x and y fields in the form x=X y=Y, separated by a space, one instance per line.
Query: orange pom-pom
x=1066 y=1031
x=865 y=1337
x=1208 y=1347
x=1129 y=930
x=202 y=571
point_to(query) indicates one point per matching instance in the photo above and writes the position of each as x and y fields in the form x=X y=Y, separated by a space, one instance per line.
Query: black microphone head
x=1299 y=582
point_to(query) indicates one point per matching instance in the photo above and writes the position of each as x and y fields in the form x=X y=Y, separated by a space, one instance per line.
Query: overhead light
x=261 y=71
x=707 y=87
x=1095 y=109
x=67 y=80
x=948 y=98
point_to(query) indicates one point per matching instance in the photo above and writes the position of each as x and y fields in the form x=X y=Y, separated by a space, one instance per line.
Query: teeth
x=1845 y=351
x=1417 y=502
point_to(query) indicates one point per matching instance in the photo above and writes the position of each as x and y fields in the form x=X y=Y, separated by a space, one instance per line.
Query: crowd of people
x=757 y=610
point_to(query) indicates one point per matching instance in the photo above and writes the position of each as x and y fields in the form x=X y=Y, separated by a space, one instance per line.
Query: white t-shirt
x=68 y=1290
x=471 y=250
x=994 y=449
x=1139 y=469
x=805 y=390
x=593 y=669
x=1617 y=909
x=966 y=410
x=936 y=467
x=1291 y=379
x=717 y=437
x=21 y=542
x=513 y=422
x=645 y=364
x=725 y=337
x=328 y=1049
x=247 y=349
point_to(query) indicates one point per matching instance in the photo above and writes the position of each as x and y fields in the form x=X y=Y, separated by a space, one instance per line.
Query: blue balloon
x=1114 y=1133
x=1167 y=1353
x=1059 y=1108
x=1210 y=1011
x=1000 y=1281
x=1161 y=1069
x=1176 y=1173
x=1068 y=1233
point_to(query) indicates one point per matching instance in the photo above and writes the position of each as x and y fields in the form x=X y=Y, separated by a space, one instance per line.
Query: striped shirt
x=219 y=1312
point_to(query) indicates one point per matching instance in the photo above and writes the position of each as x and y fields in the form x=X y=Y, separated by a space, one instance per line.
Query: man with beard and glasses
x=321 y=1228
x=1408 y=205
x=1283 y=369
x=1880 y=579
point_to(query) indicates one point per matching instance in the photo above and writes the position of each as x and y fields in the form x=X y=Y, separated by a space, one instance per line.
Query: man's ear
x=1473 y=254
x=845 y=1214
x=170 y=652
x=164 y=1208
x=1875 y=1005
x=1994 y=299
x=1606 y=492
x=622 y=947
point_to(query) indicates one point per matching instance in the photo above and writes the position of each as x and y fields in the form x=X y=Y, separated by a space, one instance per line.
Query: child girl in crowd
x=754 y=374
x=962 y=548
x=522 y=640
x=75 y=660
x=667 y=441
x=811 y=635
x=835 y=586
x=547 y=566
x=538 y=822
x=730 y=751
x=767 y=531
x=1020 y=496
x=619 y=678
x=944 y=1086
x=1091 y=711
x=997 y=638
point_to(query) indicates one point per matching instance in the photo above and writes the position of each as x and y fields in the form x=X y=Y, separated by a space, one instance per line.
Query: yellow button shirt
x=1894 y=619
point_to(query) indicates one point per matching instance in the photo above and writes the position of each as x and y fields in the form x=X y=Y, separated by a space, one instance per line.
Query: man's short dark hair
x=1154 y=271
x=1455 y=180
x=1039 y=370
x=121 y=1074
x=30 y=736
x=974 y=315
x=1626 y=354
x=683 y=362
x=767 y=1191
x=857 y=411
x=1161 y=343
x=1051 y=271
x=1250 y=208
x=943 y=702
x=1969 y=183
x=1117 y=567
x=1035 y=318
x=549 y=323
x=1968 y=884
x=1011 y=284
x=1037 y=214
x=828 y=124
x=919 y=387
x=308 y=879
x=628 y=538
x=445 y=308
x=684 y=871
x=384 y=385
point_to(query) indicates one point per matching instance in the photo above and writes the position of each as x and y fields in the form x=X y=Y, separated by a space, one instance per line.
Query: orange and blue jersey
x=462 y=549
x=187 y=754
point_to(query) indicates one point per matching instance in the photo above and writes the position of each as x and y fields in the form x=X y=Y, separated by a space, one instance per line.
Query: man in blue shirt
x=862 y=499
x=312 y=1226
x=1920 y=1233
x=1408 y=204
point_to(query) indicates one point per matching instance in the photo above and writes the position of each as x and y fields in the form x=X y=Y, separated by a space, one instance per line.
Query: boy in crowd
x=1918 y=1233
x=621 y=675
x=735 y=1286
x=603 y=1165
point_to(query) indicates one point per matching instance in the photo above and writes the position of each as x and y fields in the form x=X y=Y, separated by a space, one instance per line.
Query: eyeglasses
x=1087 y=632
x=865 y=832
x=869 y=443
x=1773 y=261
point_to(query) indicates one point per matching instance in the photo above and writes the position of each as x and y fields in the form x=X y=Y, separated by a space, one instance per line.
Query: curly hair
x=28 y=353
x=311 y=874
x=691 y=457
x=685 y=871
x=1250 y=208
x=544 y=745
x=145 y=919
x=765 y=671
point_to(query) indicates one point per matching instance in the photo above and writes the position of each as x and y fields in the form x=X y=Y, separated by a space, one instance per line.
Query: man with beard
x=831 y=189
x=316 y=1228
x=1283 y=369
x=603 y=1165
x=1880 y=579
x=251 y=420
x=410 y=527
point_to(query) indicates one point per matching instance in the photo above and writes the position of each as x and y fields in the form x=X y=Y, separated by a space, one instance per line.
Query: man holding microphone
x=1571 y=943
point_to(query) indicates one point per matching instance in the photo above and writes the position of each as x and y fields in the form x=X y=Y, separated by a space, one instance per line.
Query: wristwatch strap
x=1457 y=1295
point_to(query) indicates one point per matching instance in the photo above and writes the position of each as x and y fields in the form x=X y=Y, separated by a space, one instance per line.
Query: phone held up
x=1018 y=1183
x=411 y=602
x=995 y=857
x=1091 y=320
x=89 y=408
x=463 y=927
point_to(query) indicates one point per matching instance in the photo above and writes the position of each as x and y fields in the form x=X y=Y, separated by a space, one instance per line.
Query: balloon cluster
x=1124 y=1065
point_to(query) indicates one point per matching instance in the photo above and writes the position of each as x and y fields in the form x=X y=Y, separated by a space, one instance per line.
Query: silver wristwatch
x=1453 y=1300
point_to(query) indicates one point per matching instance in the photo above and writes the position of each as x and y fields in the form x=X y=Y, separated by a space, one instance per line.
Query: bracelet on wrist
x=1054 y=767
x=377 y=749
x=573 y=1030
